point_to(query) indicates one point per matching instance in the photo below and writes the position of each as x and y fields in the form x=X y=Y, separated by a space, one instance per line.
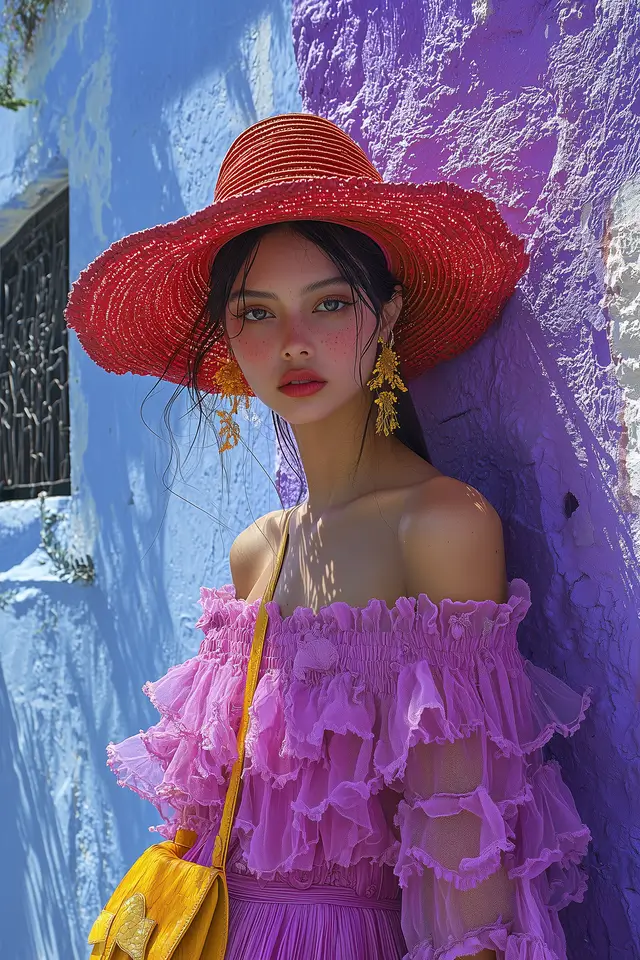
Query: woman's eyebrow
x=271 y=296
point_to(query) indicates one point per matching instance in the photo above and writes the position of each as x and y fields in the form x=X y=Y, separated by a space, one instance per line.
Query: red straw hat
x=449 y=247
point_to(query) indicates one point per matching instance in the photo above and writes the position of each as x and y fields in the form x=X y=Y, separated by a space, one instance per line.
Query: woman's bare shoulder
x=452 y=543
x=444 y=498
x=252 y=548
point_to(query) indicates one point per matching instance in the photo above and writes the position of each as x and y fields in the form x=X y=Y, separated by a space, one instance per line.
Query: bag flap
x=100 y=928
x=152 y=906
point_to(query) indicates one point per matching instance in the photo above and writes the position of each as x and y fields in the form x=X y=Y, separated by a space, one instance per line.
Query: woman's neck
x=329 y=451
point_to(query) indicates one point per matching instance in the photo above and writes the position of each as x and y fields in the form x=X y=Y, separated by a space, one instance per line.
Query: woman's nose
x=295 y=340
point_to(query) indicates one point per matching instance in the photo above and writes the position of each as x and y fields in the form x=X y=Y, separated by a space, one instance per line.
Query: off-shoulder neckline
x=518 y=592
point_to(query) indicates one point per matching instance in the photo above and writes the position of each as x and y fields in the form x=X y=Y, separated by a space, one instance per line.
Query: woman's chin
x=315 y=408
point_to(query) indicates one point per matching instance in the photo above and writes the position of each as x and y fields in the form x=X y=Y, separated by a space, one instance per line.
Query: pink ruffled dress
x=395 y=802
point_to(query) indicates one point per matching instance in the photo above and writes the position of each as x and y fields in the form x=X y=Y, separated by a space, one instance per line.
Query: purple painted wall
x=529 y=102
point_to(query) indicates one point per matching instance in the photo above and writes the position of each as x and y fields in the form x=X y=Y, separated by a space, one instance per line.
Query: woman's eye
x=333 y=300
x=254 y=310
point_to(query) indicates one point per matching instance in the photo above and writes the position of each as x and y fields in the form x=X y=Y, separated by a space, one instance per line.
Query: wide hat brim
x=458 y=261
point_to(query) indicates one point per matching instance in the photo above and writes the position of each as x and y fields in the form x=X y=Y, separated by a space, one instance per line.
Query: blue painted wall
x=141 y=101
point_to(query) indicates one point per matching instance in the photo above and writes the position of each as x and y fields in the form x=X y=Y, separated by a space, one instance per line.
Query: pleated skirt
x=321 y=922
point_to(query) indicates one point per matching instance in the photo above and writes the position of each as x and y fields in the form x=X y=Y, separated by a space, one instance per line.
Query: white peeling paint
x=481 y=9
x=622 y=300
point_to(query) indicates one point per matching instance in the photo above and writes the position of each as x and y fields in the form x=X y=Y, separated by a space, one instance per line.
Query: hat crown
x=288 y=147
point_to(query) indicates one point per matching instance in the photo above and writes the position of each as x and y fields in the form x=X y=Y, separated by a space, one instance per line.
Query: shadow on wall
x=143 y=101
x=14 y=780
x=182 y=80
x=529 y=104
x=523 y=439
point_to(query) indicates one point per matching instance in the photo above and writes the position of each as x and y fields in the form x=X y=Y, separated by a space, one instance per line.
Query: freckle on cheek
x=254 y=351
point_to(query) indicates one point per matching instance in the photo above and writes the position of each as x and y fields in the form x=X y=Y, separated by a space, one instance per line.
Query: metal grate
x=34 y=387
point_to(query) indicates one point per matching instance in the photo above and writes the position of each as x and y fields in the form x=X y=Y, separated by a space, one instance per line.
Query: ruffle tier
x=345 y=698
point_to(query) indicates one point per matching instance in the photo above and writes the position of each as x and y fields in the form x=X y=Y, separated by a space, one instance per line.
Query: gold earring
x=232 y=385
x=386 y=368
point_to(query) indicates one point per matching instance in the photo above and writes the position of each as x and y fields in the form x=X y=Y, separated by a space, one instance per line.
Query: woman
x=395 y=802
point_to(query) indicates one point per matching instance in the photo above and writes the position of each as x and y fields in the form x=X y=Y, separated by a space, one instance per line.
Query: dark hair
x=359 y=260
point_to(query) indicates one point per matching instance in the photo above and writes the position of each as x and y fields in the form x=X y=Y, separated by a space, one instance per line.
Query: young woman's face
x=288 y=326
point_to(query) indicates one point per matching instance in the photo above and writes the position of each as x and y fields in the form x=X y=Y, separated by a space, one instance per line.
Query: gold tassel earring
x=232 y=385
x=386 y=368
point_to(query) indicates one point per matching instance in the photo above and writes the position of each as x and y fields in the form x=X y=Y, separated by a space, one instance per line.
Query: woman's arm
x=452 y=547
x=253 y=550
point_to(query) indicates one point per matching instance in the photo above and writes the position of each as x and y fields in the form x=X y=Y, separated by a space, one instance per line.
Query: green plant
x=20 y=20
x=71 y=568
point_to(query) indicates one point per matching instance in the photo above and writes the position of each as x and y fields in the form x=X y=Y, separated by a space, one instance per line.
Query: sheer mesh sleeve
x=456 y=887
x=490 y=838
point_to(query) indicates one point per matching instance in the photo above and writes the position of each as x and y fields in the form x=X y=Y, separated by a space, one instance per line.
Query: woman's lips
x=302 y=389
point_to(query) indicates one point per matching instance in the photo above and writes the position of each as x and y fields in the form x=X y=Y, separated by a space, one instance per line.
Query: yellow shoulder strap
x=253 y=669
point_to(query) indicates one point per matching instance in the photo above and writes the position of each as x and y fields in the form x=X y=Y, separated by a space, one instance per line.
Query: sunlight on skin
x=286 y=328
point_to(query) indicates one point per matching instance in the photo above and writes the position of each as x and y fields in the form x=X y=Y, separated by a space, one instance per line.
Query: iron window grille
x=34 y=367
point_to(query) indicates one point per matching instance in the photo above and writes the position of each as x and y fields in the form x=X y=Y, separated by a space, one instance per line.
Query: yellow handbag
x=165 y=907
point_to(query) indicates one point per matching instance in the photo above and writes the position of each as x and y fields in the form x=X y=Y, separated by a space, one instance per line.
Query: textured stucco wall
x=622 y=299
x=532 y=103
x=141 y=100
